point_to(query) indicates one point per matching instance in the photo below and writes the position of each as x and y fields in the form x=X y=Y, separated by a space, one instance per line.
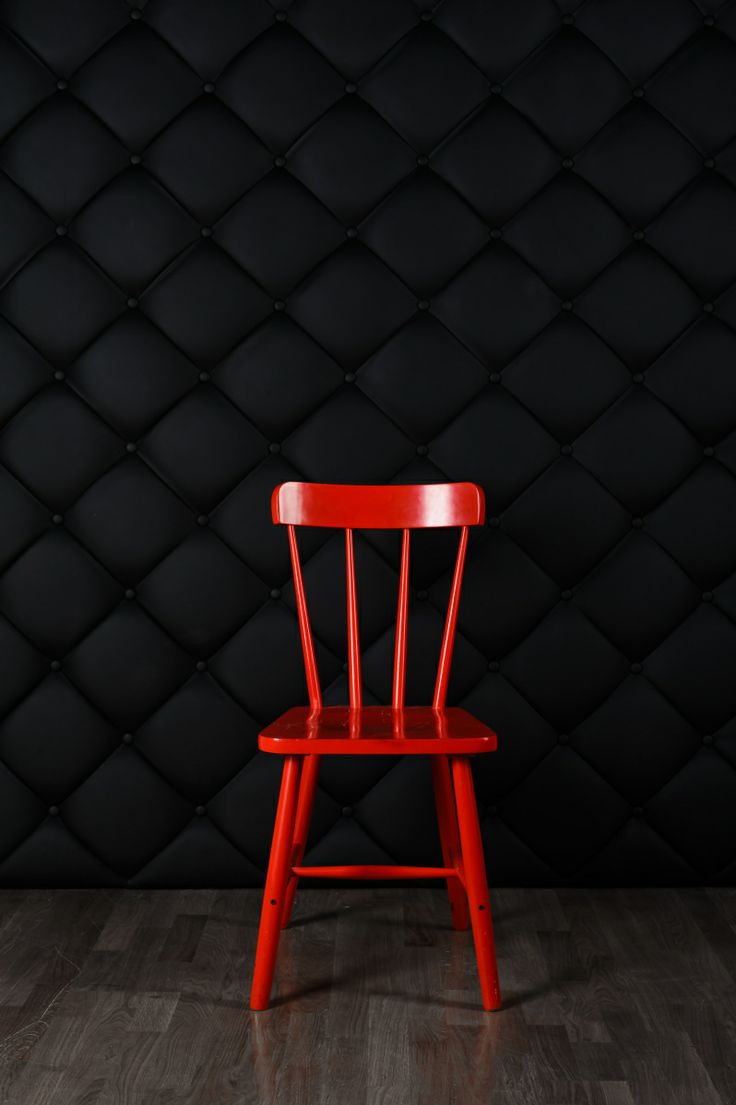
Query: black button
x=708 y=451
x=493 y=811
x=638 y=378
x=495 y=233
x=635 y=668
x=280 y=17
x=201 y=665
x=347 y=811
x=200 y=811
x=53 y=811
x=204 y=377
x=708 y=307
x=495 y=377
x=422 y=450
x=59 y=374
x=566 y=450
x=707 y=596
x=202 y=519
x=496 y=89
x=129 y=593
x=345 y=666
x=422 y=160
x=351 y=87
x=568 y=20
x=568 y=163
x=638 y=93
x=639 y=235
x=61 y=231
x=426 y=16
x=62 y=85
x=209 y=87
x=494 y=522
x=566 y=305
x=135 y=159
x=57 y=519
x=274 y=447
x=127 y=738
x=279 y=305
x=637 y=811
x=709 y=21
x=351 y=232
x=707 y=739
x=563 y=739
x=493 y=665
x=135 y=14
x=131 y=447
x=206 y=232
x=565 y=594
x=637 y=523
x=421 y=595
x=275 y=593
x=132 y=302
x=423 y=304
x=349 y=377
x=709 y=163
x=279 y=161
x=56 y=665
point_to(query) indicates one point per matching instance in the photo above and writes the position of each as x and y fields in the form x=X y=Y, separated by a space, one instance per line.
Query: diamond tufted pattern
x=367 y=241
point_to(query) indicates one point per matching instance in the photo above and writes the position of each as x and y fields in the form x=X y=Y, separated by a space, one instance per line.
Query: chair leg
x=277 y=877
x=447 y=823
x=476 y=883
x=307 y=787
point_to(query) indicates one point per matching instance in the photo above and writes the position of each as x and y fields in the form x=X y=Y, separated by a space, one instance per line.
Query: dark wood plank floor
x=612 y=997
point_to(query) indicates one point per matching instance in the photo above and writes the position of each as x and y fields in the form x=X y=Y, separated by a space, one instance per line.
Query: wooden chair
x=450 y=736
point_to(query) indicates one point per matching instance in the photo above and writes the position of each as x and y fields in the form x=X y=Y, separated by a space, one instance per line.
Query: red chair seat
x=377 y=730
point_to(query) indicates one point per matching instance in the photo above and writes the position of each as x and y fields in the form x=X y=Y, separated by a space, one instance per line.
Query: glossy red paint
x=449 y=735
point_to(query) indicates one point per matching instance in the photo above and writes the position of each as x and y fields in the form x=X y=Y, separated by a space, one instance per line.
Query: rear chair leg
x=447 y=823
x=307 y=788
x=476 y=883
x=279 y=869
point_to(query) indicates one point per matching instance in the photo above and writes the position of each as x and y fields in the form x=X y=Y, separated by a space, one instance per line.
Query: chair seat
x=377 y=731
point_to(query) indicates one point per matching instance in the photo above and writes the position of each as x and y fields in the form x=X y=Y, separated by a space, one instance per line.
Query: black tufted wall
x=367 y=241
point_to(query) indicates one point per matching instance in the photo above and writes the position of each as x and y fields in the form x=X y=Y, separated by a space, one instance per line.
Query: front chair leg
x=307 y=787
x=279 y=870
x=447 y=824
x=476 y=883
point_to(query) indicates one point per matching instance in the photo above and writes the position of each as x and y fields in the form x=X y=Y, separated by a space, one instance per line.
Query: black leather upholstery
x=367 y=241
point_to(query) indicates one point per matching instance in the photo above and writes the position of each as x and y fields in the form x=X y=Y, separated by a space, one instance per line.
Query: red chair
x=450 y=736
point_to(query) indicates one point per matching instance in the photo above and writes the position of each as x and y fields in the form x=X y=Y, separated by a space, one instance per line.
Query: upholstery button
x=568 y=163
x=638 y=378
x=495 y=233
x=707 y=739
x=493 y=665
x=707 y=596
x=351 y=232
x=565 y=594
x=274 y=447
x=639 y=235
x=204 y=377
x=635 y=668
x=709 y=451
x=280 y=17
x=422 y=160
x=135 y=14
x=637 y=811
x=209 y=87
x=53 y=811
x=568 y=19
x=351 y=87
x=709 y=21
x=637 y=523
x=275 y=593
x=708 y=307
x=62 y=85
x=202 y=520
x=57 y=519
x=709 y=163
x=135 y=159
x=129 y=593
x=496 y=89
x=56 y=665
x=345 y=666
x=279 y=305
x=206 y=232
x=426 y=16
x=132 y=302
x=493 y=811
x=422 y=450
x=566 y=305
x=201 y=665
x=638 y=93
x=59 y=374
x=563 y=739
x=422 y=595
x=347 y=811
x=131 y=447
x=495 y=377
x=494 y=522
x=566 y=450
x=279 y=161
x=127 y=738
x=61 y=231
x=200 y=811
x=423 y=304
x=349 y=377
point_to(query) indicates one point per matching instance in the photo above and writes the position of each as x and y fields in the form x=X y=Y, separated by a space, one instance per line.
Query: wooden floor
x=612 y=997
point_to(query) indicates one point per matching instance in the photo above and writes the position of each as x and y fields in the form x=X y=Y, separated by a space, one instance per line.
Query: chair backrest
x=390 y=506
